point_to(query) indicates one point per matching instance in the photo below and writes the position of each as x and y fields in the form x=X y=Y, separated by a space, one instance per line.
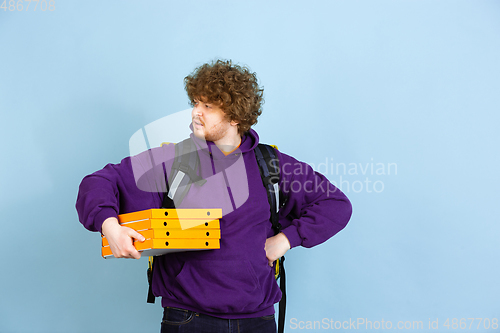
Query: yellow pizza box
x=175 y=233
x=154 y=247
x=175 y=214
x=172 y=224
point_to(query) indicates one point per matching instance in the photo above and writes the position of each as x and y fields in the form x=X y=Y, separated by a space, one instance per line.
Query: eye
x=208 y=106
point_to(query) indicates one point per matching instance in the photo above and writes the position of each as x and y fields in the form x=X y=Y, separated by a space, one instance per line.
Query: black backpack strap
x=270 y=174
x=186 y=163
x=151 y=264
x=282 y=304
x=268 y=162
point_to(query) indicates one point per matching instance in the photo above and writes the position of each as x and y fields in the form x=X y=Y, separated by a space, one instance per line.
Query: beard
x=214 y=133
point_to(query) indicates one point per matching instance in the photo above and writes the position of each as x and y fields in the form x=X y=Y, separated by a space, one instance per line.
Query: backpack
x=183 y=175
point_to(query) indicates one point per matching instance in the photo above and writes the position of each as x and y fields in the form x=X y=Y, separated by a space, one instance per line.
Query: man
x=232 y=287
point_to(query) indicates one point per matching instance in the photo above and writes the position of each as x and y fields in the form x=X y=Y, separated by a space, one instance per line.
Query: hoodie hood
x=249 y=141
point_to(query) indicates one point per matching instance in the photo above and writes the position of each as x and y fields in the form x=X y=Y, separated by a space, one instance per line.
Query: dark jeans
x=179 y=320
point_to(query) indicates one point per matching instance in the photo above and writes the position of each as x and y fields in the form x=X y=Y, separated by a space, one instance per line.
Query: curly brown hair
x=231 y=87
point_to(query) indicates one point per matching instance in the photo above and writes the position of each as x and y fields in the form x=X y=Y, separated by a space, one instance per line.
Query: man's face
x=209 y=121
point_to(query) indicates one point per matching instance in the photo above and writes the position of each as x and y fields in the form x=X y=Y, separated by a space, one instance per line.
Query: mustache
x=198 y=120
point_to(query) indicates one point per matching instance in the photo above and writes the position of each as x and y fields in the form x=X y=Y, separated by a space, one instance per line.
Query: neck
x=228 y=143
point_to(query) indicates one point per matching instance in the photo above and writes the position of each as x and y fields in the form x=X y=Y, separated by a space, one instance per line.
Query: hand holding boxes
x=171 y=230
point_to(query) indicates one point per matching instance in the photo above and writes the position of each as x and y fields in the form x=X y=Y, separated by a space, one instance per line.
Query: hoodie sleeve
x=315 y=209
x=136 y=183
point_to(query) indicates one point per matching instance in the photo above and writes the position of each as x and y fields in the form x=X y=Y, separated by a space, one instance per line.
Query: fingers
x=276 y=247
x=127 y=251
x=269 y=247
x=135 y=254
x=130 y=250
x=271 y=258
x=135 y=235
x=124 y=247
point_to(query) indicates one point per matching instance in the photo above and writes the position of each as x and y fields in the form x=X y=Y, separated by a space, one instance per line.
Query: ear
x=234 y=123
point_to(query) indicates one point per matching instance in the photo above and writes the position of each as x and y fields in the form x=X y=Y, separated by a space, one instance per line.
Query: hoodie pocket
x=229 y=286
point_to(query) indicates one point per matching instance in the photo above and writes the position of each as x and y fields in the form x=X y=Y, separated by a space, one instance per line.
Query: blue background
x=413 y=83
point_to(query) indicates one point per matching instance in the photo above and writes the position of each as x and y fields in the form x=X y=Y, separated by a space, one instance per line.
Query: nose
x=197 y=110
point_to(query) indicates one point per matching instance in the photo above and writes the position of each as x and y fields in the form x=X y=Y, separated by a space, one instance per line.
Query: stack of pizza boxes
x=171 y=230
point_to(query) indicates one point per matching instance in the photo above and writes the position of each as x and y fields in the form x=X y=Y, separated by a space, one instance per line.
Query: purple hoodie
x=234 y=281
